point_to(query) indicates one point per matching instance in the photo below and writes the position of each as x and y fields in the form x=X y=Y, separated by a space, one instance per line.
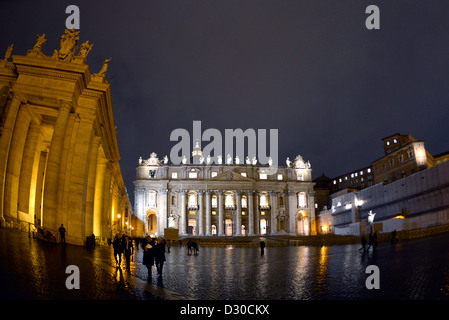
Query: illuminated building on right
x=410 y=190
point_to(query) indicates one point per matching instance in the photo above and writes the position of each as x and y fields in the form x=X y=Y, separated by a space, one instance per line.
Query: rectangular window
x=193 y=175
x=302 y=199
x=263 y=176
x=174 y=175
x=214 y=174
x=280 y=177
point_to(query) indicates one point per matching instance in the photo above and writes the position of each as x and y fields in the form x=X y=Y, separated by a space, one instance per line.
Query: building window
x=263 y=201
x=280 y=177
x=193 y=175
x=229 y=201
x=263 y=176
x=244 y=202
x=214 y=201
x=174 y=175
x=214 y=174
x=151 y=199
x=335 y=181
x=302 y=199
x=243 y=174
x=410 y=154
x=192 y=200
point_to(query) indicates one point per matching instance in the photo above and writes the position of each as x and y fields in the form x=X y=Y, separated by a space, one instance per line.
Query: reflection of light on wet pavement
x=408 y=270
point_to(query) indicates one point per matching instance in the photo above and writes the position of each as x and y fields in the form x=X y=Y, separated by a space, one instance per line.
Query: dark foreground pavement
x=409 y=270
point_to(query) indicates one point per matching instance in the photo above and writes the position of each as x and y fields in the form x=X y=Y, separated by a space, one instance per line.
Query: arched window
x=263 y=201
x=229 y=200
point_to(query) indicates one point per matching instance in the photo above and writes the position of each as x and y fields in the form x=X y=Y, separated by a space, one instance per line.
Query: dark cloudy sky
x=308 y=68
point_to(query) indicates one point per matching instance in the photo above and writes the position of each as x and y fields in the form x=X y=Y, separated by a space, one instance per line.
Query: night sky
x=310 y=69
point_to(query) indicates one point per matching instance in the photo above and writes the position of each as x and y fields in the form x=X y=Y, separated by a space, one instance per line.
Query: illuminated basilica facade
x=208 y=199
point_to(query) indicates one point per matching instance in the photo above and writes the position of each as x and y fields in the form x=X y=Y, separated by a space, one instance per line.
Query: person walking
x=117 y=244
x=363 y=244
x=148 y=254
x=370 y=241
x=159 y=255
x=128 y=250
x=262 y=247
x=62 y=232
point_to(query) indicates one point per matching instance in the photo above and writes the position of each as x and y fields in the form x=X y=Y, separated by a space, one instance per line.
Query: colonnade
x=58 y=149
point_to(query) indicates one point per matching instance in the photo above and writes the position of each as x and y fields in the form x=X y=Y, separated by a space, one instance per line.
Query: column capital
x=19 y=97
x=65 y=104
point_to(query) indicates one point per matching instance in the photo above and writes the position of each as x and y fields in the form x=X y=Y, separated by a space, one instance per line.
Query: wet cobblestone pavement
x=409 y=270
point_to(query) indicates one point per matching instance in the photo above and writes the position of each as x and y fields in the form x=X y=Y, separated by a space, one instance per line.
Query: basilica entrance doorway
x=151 y=223
x=303 y=223
x=228 y=227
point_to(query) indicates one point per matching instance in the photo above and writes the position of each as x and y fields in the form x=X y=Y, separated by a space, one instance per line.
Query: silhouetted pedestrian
x=363 y=244
x=375 y=240
x=189 y=247
x=159 y=255
x=195 y=247
x=262 y=247
x=148 y=254
x=394 y=238
x=118 y=249
x=128 y=250
x=62 y=232
x=370 y=241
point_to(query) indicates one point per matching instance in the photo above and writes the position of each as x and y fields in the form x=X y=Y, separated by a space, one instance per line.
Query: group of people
x=192 y=247
x=372 y=241
x=154 y=253
x=123 y=245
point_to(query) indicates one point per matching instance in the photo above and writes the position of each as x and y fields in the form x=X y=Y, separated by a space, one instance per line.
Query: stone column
x=90 y=196
x=238 y=214
x=208 y=213
x=52 y=172
x=257 y=222
x=220 y=214
x=165 y=210
x=273 y=212
x=15 y=163
x=28 y=172
x=183 y=222
x=250 y=213
x=200 y=213
x=5 y=143
x=292 y=212
x=100 y=191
